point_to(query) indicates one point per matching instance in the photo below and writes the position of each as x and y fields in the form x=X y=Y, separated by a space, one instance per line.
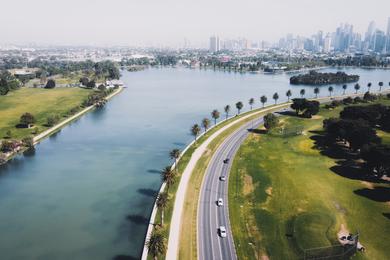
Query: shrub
x=50 y=84
x=347 y=100
x=52 y=120
x=270 y=121
x=27 y=119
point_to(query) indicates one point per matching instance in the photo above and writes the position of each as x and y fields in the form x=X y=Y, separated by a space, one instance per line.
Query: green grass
x=284 y=198
x=39 y=102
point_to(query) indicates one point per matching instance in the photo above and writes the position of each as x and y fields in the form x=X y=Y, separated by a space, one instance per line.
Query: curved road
x=210 y=216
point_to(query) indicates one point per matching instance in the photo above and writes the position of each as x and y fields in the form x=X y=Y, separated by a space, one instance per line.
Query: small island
x=317 y=78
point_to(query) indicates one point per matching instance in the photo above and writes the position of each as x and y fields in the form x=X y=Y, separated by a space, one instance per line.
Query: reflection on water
x=87 y=192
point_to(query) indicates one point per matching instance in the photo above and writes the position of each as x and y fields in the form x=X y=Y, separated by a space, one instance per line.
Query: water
x=87 y=192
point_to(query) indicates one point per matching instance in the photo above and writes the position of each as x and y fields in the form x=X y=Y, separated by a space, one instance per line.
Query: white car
x=222 y=231
x=220 y=202
x=222 y=178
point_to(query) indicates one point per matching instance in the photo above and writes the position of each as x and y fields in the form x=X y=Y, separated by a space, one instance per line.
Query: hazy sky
x=168 y=22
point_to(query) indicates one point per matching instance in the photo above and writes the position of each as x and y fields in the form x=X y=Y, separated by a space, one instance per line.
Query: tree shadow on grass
x=257 y=131
x=387 y=215
x=124 y=257
x=379 y=194
x=148 y=192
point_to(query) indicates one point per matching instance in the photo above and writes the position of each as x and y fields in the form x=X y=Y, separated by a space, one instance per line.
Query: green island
x=287 y=193
x=318 y=78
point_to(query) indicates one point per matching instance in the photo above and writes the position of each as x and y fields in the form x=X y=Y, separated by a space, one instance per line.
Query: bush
x=270 y=121
x=27 y=119
x=347 y=101
x=50 y=84
x=52 y=120
x=369 y=97
x=357 y=100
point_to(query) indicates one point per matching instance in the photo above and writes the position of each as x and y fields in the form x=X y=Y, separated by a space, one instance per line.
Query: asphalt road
x=210 y=217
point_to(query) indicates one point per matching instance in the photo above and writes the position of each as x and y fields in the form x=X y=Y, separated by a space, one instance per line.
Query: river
x=87 y=191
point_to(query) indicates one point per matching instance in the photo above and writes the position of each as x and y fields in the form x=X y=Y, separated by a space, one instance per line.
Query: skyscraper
x=215 y=44
x=388 y=36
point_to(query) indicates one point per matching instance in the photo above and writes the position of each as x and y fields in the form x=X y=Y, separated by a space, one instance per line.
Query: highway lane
x=210 y=216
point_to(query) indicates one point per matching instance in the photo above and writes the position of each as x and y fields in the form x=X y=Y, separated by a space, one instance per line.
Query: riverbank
x=38 y=138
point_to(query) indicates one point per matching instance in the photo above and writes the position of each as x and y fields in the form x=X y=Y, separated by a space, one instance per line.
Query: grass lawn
x=39 y=102
x=284 y=198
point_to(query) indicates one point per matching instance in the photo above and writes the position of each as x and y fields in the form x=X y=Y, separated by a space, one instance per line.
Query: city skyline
x=176 y=24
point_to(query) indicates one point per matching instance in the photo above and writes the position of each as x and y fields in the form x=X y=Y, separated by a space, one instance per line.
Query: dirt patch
x=339 y=207
x=367 y=184
x=264 y=257
x=269 y=191
x=248 y=185
x=316 y=117
x=343 y=232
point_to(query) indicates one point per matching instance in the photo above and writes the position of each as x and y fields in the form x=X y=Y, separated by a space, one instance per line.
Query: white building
x=215 y=44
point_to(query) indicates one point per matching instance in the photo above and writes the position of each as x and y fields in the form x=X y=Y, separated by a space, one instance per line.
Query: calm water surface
x=87 y=192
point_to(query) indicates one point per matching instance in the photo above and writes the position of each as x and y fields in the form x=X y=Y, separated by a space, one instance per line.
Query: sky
x=169 y=22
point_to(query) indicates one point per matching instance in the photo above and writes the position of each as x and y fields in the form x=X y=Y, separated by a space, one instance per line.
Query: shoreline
x=47 y=133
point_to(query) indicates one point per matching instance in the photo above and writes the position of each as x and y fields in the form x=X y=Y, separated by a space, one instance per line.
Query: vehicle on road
x=222 y=178
x=220 y=202
x=222 y=231
x=226 y=160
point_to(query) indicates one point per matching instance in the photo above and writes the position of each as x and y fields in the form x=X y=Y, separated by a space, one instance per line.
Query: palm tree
x=369 y=86
x=175 y=154
x=168 y=176
x=302 y=92
x=161 y=203
x=356 y=87
x=275 y=97
x=316 y=91
x=195 y=130
x=263 y=100
x=380 y=86
x=227 y=110
x=215 y=114
x=288 y=94
x=251 y=102
x=205 y=124
x=156 y=244
x=239 y=106
x=344 y=88
x=330 y=89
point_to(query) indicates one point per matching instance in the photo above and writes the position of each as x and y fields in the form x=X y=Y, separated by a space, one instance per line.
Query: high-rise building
x=327 y=43
x=388 y=36
x=215 y=44
x=379 y=41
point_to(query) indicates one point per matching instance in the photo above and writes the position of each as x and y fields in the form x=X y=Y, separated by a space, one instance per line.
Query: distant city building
x=388 y=36
x=215 y=44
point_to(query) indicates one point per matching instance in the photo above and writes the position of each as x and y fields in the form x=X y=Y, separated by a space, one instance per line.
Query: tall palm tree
x=344 y=88
x=205 y=124
x=175 y=154
x=263 y=100
x=317 y=91
x=227 y=110
x=239 y=106
x=275 y=97
x=251 y=102
x=168 y=176
x=161 y=203
x=330 y=89
x=288 y=94
x=195 y=130
x=156 y=244
x=215 y=114
x=369 y=86
x=302 y=92
x=356 y=87
x=380 y=86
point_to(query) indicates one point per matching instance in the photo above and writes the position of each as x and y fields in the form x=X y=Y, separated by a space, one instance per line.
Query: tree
x=288 y=94
x=251 y=102
x=205 y=124
x=175 y=155
x=84 y=81
x=302 y=92
x=156 y=244
x=161 y=203
x=91 y=84
x=239 y=106
x=227 y=110
x=330 y=89
x=369 y=86
x=28 y=142
x=215 y=114
x=50 y=83
x=270 y=121
x=380 y=86
x=7 y=146
x=168 y=176
x=263 y=100
x=316 y=92
x=4 y=89
x=195 y=130
x=377 y=158
x=299 y=104
x=27 y=119
x=312 y=108
x=275 y=97
x=356 y=87
x=52 y=120
x=344 y=88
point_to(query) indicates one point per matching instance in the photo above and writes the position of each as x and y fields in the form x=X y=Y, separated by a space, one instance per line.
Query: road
x=210 y=216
